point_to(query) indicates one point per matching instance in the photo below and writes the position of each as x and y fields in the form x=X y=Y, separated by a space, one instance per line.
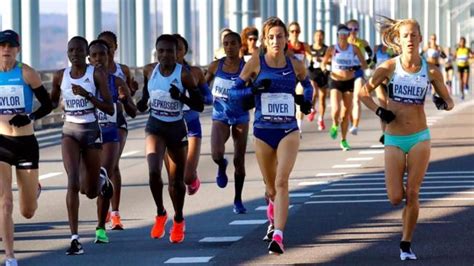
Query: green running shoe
x=345 y=146
x=333 y=131
x=101 y=236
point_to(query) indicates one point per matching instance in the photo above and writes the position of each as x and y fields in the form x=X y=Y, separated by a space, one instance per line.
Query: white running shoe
x=11 y=262
x=353 y=130
x=407 y=255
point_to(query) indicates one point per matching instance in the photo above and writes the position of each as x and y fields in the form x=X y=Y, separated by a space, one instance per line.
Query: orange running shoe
x=116 y=223
x=158 y=229
x=177 y=232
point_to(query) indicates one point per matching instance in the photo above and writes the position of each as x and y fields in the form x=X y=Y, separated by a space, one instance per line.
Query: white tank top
x=409 y=88
x=163 y=107
x=342 y=59
x=77 y=108
x=434 y=53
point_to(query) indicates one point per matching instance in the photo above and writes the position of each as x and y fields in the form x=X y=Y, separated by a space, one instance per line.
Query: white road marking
x=49 y=175
x=355 y=159
x=385 y=194
x=372 y=152
x=189 y=260
x=220 y=239
x=339 y=166
x=375 y=189
x=330 y=174
x=386 y=200
x=248 y=222
x=377 y=146
x=300 y=195
x=125 y=154
x=264 y=207
x=312 y=183
x=383 y=183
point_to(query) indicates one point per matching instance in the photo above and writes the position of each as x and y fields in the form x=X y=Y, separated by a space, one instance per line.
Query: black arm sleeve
x=195 y=100
x=369 y=51
x=46 y=105
x=443 y=55
x=145 y=94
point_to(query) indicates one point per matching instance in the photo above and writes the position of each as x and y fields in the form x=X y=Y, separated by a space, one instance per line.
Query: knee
x=412 y=196
x=176 y=184
x=395 y=198
x=7 y=206
x=28 y=212
x=281 y=184
x=91 y=193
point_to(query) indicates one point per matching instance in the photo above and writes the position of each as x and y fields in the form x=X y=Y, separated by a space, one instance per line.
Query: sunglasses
x=354 y=29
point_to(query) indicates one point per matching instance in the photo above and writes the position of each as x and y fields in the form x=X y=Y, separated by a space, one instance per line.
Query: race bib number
x=12 y=100
x=163 y=105
x=107 y=119
x=277 y=107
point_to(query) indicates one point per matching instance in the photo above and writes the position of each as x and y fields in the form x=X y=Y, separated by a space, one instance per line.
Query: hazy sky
x=60 y=6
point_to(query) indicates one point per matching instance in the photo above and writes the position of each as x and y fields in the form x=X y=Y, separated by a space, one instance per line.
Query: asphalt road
x=339 y=212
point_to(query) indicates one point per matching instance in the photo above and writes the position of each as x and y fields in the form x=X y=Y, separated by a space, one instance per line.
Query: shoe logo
x=286 y=73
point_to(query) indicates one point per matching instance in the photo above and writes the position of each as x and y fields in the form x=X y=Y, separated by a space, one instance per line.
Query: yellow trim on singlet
x=359 y=43
x=462 y=51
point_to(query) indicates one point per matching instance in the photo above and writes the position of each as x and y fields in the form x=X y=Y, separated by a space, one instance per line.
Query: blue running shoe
x=221 y=178
x=239 y=208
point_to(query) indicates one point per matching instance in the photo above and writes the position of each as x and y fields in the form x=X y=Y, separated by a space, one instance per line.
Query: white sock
x=76 y=237
x=114 y=213
x=278 y=232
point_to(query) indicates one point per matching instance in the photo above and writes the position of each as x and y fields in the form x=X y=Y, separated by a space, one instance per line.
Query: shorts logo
x=286 y=73
x=25 y=164
x=98 y=140
x=288 y=130
x=184 y=139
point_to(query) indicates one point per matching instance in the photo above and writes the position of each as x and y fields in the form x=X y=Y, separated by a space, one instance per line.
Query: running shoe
x=344 y=145
x=269 y=235
x=239 y=208
x=333 y=131
x=75 y=248
x=276 y=245
x=221 y=178
x=107 y=188
x=116 y=223
x=194 y=187
x=38 y=192
x=311 y=115
x=407 y=255
x=177 y=232
x=321 y=125
x=270 y=210
x=158 y=229
x=101 y=236
x=11 y=262
x=354 y=130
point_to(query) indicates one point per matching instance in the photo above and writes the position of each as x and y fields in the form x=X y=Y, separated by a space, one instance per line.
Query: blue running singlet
x=15 y=95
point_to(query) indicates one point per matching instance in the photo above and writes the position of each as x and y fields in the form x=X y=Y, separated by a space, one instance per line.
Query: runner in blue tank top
x=98 y=56
x=193 y=122
x=18 y=144
x=228 y=116
x=123 y=72
x=276 y=132
x=407 y=137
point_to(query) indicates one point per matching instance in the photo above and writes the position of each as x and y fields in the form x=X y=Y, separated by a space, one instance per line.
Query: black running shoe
x=269 y=236
x=276 y=246
x=75 y=249
x=107 y=189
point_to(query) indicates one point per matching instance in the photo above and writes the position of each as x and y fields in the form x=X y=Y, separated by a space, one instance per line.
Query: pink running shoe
x=194 y=187
x=276 y=246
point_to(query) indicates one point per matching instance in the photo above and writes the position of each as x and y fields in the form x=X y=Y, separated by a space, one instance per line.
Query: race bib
x=78 y=105
x=277 y=107
x=407 y=91
x=221 y=87
x=163 y=105
x=107 y=119
x=299 y=57
x=12 y=100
